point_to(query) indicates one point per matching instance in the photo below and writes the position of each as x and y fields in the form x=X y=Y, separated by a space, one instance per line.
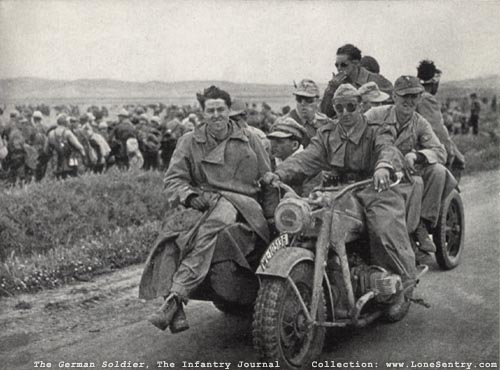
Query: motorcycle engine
x=374 y=278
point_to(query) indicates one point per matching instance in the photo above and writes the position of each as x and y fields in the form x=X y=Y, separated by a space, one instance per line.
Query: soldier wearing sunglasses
x=307 y=112
x=350 y=71
x=424 y=153
x=354 y=150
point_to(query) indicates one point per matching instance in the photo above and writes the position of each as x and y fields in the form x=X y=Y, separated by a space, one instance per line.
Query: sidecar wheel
x=449 y=233
x=279 y=327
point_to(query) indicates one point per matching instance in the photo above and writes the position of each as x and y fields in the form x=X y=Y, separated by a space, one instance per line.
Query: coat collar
x=340 y=135
x=217 y=154
x=200 y=133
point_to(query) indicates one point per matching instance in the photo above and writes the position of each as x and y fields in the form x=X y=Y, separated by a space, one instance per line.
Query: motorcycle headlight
x=292 y=215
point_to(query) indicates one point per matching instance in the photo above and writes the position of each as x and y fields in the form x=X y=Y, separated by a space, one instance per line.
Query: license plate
x=279 y=243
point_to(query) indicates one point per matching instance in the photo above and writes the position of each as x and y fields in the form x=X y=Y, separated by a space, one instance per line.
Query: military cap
x=84 y=118
x=237 y=107
x=370 y=64
x=371 y=93
x=71 y=119
x=123 y=112
x=144 y=116
x=307 y=88
x=287 y=127
x=405 y=85
x=139 y=110
x=103 y=125
x=14 y=114
x=23 y=120
x=61 y=119
x=346 y=91
x=37 y=114
x=155 y=119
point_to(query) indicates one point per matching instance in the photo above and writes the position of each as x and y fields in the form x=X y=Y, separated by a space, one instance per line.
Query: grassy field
x=54 y=232
x=482 y=152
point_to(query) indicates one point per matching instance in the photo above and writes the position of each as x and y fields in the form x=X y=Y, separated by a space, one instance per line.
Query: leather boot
x=425 y=242
x=179 y=321
x=163 y=317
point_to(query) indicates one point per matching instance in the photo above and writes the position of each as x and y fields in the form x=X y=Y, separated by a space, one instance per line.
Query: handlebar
x=359 y=184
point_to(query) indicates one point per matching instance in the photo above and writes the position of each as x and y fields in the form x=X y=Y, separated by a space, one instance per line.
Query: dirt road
x=101 y=322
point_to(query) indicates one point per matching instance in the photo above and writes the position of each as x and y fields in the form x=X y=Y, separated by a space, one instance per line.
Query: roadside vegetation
x=482 y=151
x=57 y=231
x=54 y=232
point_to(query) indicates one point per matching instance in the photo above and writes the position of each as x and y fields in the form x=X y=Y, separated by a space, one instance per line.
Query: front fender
x=284 y=260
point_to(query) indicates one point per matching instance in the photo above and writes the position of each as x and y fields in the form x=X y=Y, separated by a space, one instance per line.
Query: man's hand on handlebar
x=382 y=179
x=270 y=178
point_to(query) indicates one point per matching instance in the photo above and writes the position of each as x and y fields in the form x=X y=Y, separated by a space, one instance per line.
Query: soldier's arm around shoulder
x=178 y=179
x=428 y=143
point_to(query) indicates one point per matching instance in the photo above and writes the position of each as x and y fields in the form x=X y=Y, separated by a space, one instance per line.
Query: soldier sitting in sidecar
x=214 y=170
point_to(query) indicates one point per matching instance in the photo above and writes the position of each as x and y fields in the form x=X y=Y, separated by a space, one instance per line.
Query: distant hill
x=28 y=89
x=37 y=88
x=483 y=86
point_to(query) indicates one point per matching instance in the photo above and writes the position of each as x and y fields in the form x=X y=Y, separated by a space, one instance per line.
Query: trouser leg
x=390 y=245
x=412 y=194
x=435 y=177
x=474 y=122
x=195 y=264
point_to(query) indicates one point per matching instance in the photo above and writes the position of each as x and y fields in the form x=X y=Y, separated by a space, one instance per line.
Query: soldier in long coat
x=215 y=169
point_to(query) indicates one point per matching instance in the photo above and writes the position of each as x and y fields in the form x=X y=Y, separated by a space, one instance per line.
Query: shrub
x=38 y=217
x=54 y=231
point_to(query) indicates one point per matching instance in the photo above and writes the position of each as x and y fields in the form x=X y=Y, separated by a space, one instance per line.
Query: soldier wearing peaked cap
x=286 y=136
x=371 y=96
x=424 y=153
x=353 y=150
x=306 y=111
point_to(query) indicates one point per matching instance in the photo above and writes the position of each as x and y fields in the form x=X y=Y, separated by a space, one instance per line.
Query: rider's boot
x=425 y=242
x=401 y=299
x=179 y=321
x=163 y=317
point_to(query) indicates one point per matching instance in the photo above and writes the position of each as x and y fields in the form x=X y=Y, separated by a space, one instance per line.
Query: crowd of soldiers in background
x=93 y=142
x=32 y=146
x=462 y=116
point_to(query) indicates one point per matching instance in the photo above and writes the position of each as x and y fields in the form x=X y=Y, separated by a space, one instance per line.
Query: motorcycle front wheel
x=280 y=330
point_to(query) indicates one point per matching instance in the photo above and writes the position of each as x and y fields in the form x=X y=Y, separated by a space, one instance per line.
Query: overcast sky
x=243 y=41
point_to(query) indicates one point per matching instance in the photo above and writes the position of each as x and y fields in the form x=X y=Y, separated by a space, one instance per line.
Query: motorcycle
x=308 y=285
